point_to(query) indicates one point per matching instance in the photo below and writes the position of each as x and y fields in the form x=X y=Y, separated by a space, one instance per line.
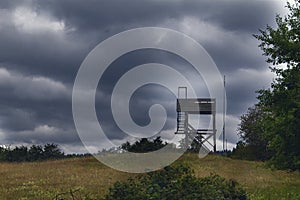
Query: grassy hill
x=87 y=176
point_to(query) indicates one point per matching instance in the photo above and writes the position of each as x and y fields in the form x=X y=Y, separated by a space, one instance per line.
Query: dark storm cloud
x=231 y=15
x=243 y=16
x=41 y=53
x=29 y=102
x=49 y=54
x=43 y=42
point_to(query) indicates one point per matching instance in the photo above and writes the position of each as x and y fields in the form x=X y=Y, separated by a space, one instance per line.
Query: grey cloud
x=43 y=134
x=232 y=15
x=241 y=87
x=16 y=119
x=30 y=102
x=35 y=88
x=39 y=52
x=42 y=64
x=245 y=16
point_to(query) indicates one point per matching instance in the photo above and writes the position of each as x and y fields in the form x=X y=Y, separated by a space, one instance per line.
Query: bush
x=144 y=145
x=176 y=183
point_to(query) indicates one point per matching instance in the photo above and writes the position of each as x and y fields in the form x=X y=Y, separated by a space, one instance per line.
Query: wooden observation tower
x=196 y=106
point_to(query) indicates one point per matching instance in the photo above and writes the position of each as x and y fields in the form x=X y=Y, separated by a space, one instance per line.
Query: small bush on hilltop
x=144 y=145
x=176 y=183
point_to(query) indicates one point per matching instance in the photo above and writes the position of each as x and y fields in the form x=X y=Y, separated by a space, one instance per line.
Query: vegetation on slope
x=44 y=180
x=176 y=182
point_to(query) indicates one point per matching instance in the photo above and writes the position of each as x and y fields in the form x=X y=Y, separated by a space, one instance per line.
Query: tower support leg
x=214 y=131
x=186 y=125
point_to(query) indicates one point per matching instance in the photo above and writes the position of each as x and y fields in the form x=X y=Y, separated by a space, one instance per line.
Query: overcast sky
x=43 y=43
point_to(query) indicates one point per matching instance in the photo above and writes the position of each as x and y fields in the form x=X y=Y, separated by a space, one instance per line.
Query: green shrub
x=176 y=183
x=144 y=145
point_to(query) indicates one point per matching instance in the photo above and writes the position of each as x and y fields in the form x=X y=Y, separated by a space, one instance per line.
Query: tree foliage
x=277 y=122
x=144 y=145
x=33 y=153
x=176 y=183
x=253 y=144
x=281 y=45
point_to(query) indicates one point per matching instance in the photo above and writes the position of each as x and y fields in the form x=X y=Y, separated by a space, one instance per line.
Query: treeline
x=32 y=153
x=145 y=145
x=270 y=130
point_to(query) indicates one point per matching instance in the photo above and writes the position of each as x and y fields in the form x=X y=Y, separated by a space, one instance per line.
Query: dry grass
x=259 y=181
x=43 y=180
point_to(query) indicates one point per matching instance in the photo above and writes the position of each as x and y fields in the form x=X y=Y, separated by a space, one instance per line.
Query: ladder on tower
x=181 y=123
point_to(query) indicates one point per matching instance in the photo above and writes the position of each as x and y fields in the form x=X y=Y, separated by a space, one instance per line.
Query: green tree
x=35 y=153
x=253 y=144
x=51 y=151
x=281 y=103
x=282 y=122
x=18 y=154
x=281 y=45
x=3 y=153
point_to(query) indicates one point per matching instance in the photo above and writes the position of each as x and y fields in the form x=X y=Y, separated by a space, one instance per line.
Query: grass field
x=44 y=180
